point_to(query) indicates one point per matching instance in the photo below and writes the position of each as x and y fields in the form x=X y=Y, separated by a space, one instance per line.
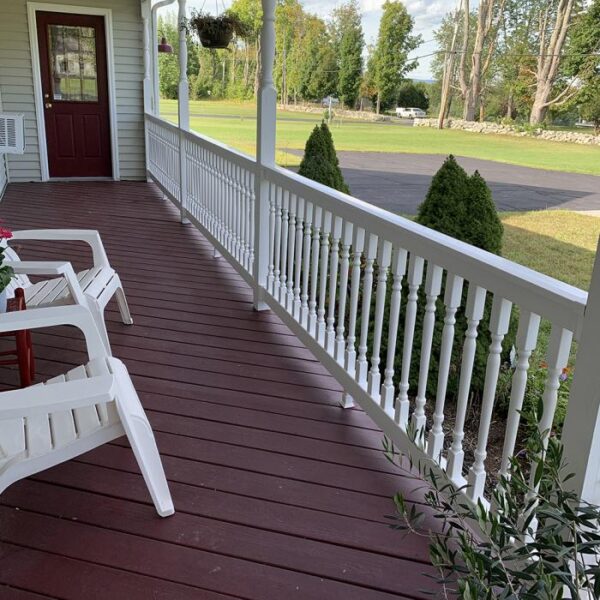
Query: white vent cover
x=12 y=134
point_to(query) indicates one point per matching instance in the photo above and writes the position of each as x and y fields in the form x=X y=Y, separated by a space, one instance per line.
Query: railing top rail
x=562 y=303
x=219 y=148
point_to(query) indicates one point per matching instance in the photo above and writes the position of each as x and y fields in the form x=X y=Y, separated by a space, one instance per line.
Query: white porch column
x=183 y=106
x=147 y=36
x=183 y=96
x=265 y=152
x=581 y=432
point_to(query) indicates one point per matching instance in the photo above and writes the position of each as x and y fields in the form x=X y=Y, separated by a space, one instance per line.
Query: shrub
x=510 y=557
x=412 y=96
x=462 y=207
x=320 y=162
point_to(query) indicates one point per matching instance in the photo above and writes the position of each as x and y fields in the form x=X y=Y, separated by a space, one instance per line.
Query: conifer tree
x=320 y=162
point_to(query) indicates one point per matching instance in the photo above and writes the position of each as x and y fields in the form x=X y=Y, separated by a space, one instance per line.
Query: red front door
x=75 y=90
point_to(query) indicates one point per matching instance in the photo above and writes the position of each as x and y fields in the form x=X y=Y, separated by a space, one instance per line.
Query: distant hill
x=423 y=80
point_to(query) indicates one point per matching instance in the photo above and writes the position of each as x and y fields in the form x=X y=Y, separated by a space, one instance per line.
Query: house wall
x=16 y=83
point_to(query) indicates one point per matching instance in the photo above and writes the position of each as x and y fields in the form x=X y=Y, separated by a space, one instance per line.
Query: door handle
x=48 y=105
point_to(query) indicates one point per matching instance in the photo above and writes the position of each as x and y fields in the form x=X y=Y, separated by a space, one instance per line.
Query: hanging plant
x=216 y=32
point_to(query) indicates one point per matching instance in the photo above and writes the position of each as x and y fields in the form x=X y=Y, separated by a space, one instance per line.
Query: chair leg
x=142 y=440
x=98 y=315
x=123 y=306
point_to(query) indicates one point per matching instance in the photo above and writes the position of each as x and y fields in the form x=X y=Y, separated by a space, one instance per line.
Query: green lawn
x=217 y=122
x=559 y=243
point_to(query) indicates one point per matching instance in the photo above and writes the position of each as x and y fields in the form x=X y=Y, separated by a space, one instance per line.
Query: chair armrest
x=90 y=236
x=76 y=315
x=63 y=269
x=68 y=395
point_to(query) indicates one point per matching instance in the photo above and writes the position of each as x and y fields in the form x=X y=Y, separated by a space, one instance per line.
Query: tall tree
x=312 y=62
x=489 y=14
x=554 y=21
x=390 y=61
x=348 y=43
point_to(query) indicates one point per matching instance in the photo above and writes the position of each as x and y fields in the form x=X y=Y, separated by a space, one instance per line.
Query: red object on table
x=24 y=348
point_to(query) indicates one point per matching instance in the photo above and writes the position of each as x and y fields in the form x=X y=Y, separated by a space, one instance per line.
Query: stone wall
x=338 y=112
x=575 y=137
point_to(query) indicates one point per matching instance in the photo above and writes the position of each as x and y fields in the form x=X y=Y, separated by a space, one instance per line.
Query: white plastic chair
x=93 y=287
x=64 y=417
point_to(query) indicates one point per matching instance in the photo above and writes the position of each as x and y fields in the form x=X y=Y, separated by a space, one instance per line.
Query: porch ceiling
x=279 y=492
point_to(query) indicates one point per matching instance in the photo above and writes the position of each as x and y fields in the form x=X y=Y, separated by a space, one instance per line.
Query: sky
x=426 y=13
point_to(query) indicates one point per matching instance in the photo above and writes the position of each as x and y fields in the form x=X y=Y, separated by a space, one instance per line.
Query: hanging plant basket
x=216 y=32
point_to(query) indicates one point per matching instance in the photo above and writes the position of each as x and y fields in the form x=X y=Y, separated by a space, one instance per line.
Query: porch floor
x=279 y=492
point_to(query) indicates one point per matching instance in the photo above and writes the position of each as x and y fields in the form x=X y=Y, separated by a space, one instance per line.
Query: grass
x=234 y=123
x=559 y=243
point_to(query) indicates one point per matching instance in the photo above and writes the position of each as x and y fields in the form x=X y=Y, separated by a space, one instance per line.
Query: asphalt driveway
x=399 y=182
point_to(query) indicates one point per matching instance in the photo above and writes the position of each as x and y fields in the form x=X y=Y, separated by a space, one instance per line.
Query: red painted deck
x=279 y=492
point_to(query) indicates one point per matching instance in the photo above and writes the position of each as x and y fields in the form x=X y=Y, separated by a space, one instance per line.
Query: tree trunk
x=550 y=54
x=378 y=103
x=509 y=105
x=538 y=112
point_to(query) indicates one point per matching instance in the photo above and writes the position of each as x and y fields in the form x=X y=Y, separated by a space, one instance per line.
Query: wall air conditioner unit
x=12 y=134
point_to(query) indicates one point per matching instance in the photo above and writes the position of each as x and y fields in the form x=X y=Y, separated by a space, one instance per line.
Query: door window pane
x=72 y=52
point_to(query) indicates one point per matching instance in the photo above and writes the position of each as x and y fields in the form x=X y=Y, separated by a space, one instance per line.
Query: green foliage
x=348 y=43
x=539 y=541
x=412 y=96
x=320 y=162
x=395 y=41
x=462 y=207
x=168 y=64
x=536 y=382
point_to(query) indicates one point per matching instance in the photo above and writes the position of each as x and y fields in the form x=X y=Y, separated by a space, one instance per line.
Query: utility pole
x=449 y=70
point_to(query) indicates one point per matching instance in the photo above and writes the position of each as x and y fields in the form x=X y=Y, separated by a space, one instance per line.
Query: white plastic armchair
x=92 y=287
x=50 y=423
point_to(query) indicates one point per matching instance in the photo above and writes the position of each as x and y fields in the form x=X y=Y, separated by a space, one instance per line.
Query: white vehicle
x=410 y=113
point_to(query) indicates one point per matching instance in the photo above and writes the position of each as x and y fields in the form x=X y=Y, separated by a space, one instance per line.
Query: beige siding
x=16 y=83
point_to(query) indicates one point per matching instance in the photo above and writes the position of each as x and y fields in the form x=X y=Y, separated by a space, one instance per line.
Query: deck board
x=279 y=492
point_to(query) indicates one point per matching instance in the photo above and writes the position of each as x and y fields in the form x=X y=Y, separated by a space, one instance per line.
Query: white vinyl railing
x=365 y=291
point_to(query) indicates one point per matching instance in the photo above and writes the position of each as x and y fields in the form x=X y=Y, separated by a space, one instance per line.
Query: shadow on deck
x=279 y=492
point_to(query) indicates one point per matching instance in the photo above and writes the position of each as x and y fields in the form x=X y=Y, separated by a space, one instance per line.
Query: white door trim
x=32 y=8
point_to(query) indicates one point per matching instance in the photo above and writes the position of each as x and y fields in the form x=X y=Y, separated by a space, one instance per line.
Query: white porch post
x=265 y=152
x=183 y=106
x=147 y=33
x=581 y=432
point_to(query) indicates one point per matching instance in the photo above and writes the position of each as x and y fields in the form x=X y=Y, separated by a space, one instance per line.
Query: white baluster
x=277 y=271
x=557 y=357
x=499 y=322
x=433 y=286
x=398 y=271
x=306 y=264
x=415 y=277
x=452 y=299
x=357 y=250
x=285 y=209
x=333 y=283
x=324 y=270
x=384 y=259
x=272 y=230
x=474 y=314
x=344 y=273
x=289 y=299
x=361 y=362
x=314 y=272
x=296 y=302
x=526 y=341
